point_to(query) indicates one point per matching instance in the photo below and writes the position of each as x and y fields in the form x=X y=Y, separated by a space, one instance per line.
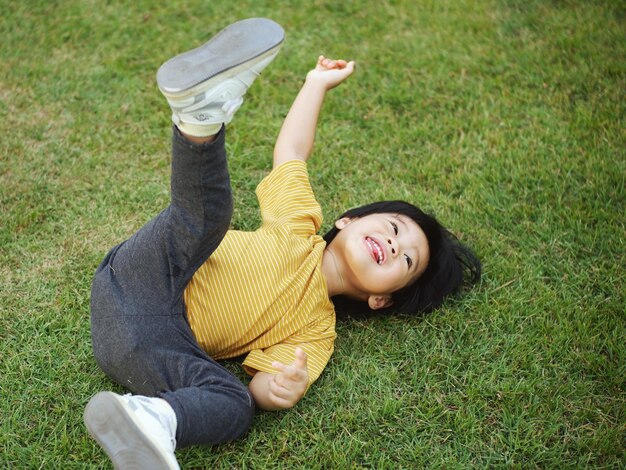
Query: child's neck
x=332 y=273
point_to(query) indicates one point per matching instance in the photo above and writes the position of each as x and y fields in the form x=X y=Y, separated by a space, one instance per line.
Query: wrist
x=313 y=82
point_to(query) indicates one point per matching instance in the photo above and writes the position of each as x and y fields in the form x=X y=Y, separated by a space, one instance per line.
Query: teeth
x=375 y=247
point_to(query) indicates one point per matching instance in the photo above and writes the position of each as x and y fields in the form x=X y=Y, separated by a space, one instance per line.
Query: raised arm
x=297 y=134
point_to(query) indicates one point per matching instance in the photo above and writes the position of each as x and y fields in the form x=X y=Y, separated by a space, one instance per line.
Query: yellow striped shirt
x=263 y=292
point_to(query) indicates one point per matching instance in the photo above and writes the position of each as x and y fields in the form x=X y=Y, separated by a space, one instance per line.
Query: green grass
x=505 y=118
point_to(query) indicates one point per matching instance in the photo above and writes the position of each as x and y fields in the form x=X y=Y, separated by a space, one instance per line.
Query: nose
x=393 y=246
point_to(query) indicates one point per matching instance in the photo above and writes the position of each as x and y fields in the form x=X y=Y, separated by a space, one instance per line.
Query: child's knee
x=119 y=349
x=220 y=221
x=241 y=415
x=196 y=226
x=249 y=408
x=237 y=410
x=213 y=414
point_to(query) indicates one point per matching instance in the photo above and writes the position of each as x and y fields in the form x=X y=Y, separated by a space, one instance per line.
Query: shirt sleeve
x=286 y=199
x=317 y=342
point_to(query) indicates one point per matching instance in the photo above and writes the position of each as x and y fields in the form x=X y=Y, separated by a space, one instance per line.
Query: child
x=184 y=291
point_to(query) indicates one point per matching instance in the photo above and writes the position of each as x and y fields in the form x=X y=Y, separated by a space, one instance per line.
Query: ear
x=377 y=302
x=342 y=223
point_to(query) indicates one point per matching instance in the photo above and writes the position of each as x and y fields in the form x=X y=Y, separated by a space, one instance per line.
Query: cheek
x=395 y=279
x=404 y=278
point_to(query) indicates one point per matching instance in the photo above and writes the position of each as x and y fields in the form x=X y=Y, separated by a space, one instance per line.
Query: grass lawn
x=504 y=118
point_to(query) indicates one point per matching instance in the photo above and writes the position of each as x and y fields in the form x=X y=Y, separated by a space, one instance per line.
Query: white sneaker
x=205 y=86
x=135 y=431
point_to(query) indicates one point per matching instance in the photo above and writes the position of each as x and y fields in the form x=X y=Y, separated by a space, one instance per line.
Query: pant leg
x=141 y=338
x=159 y=356
x=153 y=267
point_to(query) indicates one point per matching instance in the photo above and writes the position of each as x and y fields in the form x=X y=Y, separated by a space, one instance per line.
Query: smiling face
x=379 y=254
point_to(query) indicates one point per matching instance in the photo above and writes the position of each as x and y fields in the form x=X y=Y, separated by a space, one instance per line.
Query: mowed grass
x=504 y=118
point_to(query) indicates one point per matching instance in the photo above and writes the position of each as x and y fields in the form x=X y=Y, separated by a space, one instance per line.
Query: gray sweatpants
x=141 y=337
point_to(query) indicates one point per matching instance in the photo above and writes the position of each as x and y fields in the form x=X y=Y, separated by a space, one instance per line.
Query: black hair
x=451 y=264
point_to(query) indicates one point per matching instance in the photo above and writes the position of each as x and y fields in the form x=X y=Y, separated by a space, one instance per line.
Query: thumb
x=301 y=359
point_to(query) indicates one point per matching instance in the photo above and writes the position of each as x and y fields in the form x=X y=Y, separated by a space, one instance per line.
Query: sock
x=199 y=131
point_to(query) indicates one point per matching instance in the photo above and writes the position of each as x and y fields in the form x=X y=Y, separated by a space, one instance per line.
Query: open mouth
x=375 y=249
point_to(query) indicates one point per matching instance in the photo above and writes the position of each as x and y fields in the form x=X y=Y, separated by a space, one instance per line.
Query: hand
x=288 y=386
x=329 y=72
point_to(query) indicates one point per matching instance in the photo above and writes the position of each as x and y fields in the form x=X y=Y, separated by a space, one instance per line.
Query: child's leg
x=148 y=272
x=141 y=337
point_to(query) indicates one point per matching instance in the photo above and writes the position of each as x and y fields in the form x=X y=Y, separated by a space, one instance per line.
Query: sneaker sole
x=235 y=47
x=112 y=425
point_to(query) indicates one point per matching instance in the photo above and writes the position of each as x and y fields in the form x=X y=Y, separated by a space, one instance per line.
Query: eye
x=395 y=227
x=409 y=261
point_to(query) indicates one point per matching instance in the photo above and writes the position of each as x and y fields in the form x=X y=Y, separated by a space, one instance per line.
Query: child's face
x=380 y=254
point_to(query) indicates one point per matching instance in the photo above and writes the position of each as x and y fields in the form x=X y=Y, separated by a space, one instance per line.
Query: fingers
x=347 y=70
x=292 y=377
x=301 y=359
x=280 y=390
x=300 y=363
x=288 y=386
x=330 y=64
x=281 y=396
x=288 y=375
